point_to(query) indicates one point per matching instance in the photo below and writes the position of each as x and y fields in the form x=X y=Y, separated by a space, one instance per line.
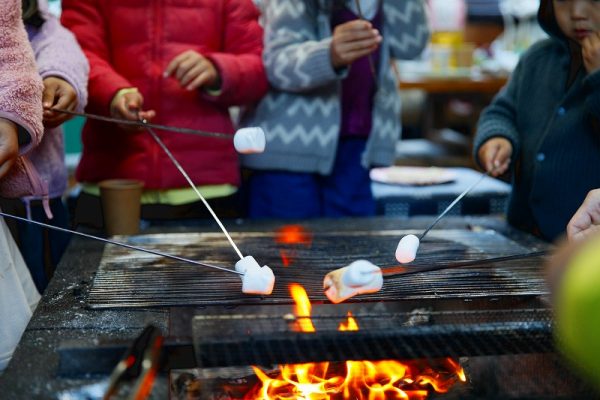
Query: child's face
x=577 y=19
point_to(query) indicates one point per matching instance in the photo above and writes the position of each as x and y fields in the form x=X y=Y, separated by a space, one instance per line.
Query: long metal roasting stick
x=397 y=271
x=128 y=246
x=371 y=62
x=142 y=124
x=459 y=198
x=189 y=180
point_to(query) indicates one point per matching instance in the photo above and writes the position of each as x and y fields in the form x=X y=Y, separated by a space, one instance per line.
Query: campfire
x=372 y=380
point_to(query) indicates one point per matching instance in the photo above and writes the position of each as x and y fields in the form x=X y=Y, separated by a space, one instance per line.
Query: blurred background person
x=333 y=110
x=171 y=64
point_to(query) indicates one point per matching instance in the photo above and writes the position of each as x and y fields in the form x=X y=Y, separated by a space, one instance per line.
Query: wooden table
x=476 y=89
x=487 y=84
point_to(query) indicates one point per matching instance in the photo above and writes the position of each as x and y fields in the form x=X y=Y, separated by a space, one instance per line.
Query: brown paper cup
x=121 y=205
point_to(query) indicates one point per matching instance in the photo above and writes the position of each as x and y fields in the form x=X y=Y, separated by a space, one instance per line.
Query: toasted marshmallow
x=360 y=277
x=406 y=251
x=249 y=140
x=256 y=279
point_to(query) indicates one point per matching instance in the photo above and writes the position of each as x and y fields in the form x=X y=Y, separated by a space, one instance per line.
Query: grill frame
x=260 y=339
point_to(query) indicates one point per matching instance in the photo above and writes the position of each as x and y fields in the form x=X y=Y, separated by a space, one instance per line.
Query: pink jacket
x=20 y=98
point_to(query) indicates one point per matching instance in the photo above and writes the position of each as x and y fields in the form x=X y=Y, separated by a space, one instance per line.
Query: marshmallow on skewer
x=406 y=251
x=256 y=279
x=249 y=140
x=360 y=277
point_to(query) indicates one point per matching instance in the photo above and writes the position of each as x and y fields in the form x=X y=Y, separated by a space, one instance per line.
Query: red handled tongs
x=139 y=364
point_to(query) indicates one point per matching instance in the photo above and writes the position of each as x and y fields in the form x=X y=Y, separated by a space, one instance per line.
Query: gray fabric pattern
x=301 y=113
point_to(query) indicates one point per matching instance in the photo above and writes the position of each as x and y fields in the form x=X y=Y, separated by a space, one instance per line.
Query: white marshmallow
x=256 y=279
x=407 y=249
x=245 y=263
x=360 y=277
x=249 y=140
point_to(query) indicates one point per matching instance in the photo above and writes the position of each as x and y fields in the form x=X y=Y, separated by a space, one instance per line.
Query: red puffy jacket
x=129 y=43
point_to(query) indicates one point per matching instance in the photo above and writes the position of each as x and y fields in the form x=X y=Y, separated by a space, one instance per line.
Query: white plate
x=415 y=176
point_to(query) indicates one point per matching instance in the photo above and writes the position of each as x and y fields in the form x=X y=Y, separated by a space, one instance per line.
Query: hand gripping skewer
x=247 y=140
x=128 y=246
x=371 y=62
x=146 y=124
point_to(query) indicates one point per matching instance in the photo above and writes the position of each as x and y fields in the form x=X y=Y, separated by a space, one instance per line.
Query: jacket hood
x=547 y=20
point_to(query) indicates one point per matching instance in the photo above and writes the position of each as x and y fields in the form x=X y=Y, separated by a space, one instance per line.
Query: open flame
x=349 y=325
x=363 y=380
x=303 y=308
x=291 y=236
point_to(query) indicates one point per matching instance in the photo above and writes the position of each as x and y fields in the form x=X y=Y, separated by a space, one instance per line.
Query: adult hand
x=58 y=94
x=193 y=71
x=590 y=50
x=9 y=145
x=586 y=220
x=127 y=104
x=353 y=40
x=495 y=155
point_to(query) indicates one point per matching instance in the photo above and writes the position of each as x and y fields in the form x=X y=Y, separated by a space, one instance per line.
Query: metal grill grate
x=228 y=340
x=131 y=279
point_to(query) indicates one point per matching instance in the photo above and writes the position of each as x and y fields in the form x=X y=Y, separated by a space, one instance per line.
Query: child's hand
x=586 y=221
x=59 y=94
x=9 y=145
x=193 y=71
x=127 y=104
x=495 y=155
x=590 y=50
x=353 y=40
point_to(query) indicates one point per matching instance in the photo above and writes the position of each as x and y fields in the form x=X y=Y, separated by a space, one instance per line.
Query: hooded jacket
x=129 y=43
x=20 y=100
x=549 y=110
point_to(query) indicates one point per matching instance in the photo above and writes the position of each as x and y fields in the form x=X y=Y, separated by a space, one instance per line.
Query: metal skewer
x=371 y=62
x=192 y=185
x=459 y=198
x=398 y=271
x=142 y=124
x=128 y=246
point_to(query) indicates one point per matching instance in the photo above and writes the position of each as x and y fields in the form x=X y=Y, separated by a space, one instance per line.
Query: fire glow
x=291 y=236
x=363 y=380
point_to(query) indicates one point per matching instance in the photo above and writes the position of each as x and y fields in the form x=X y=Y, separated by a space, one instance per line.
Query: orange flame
x=303 y=307
x=363 y=380
x=287 y=257
x=293 y=234
x=349 y=325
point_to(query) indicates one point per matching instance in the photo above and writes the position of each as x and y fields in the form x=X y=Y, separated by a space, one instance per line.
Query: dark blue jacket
x=555 y=132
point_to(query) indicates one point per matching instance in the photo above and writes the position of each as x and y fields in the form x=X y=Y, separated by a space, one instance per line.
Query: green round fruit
x=577 y=310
